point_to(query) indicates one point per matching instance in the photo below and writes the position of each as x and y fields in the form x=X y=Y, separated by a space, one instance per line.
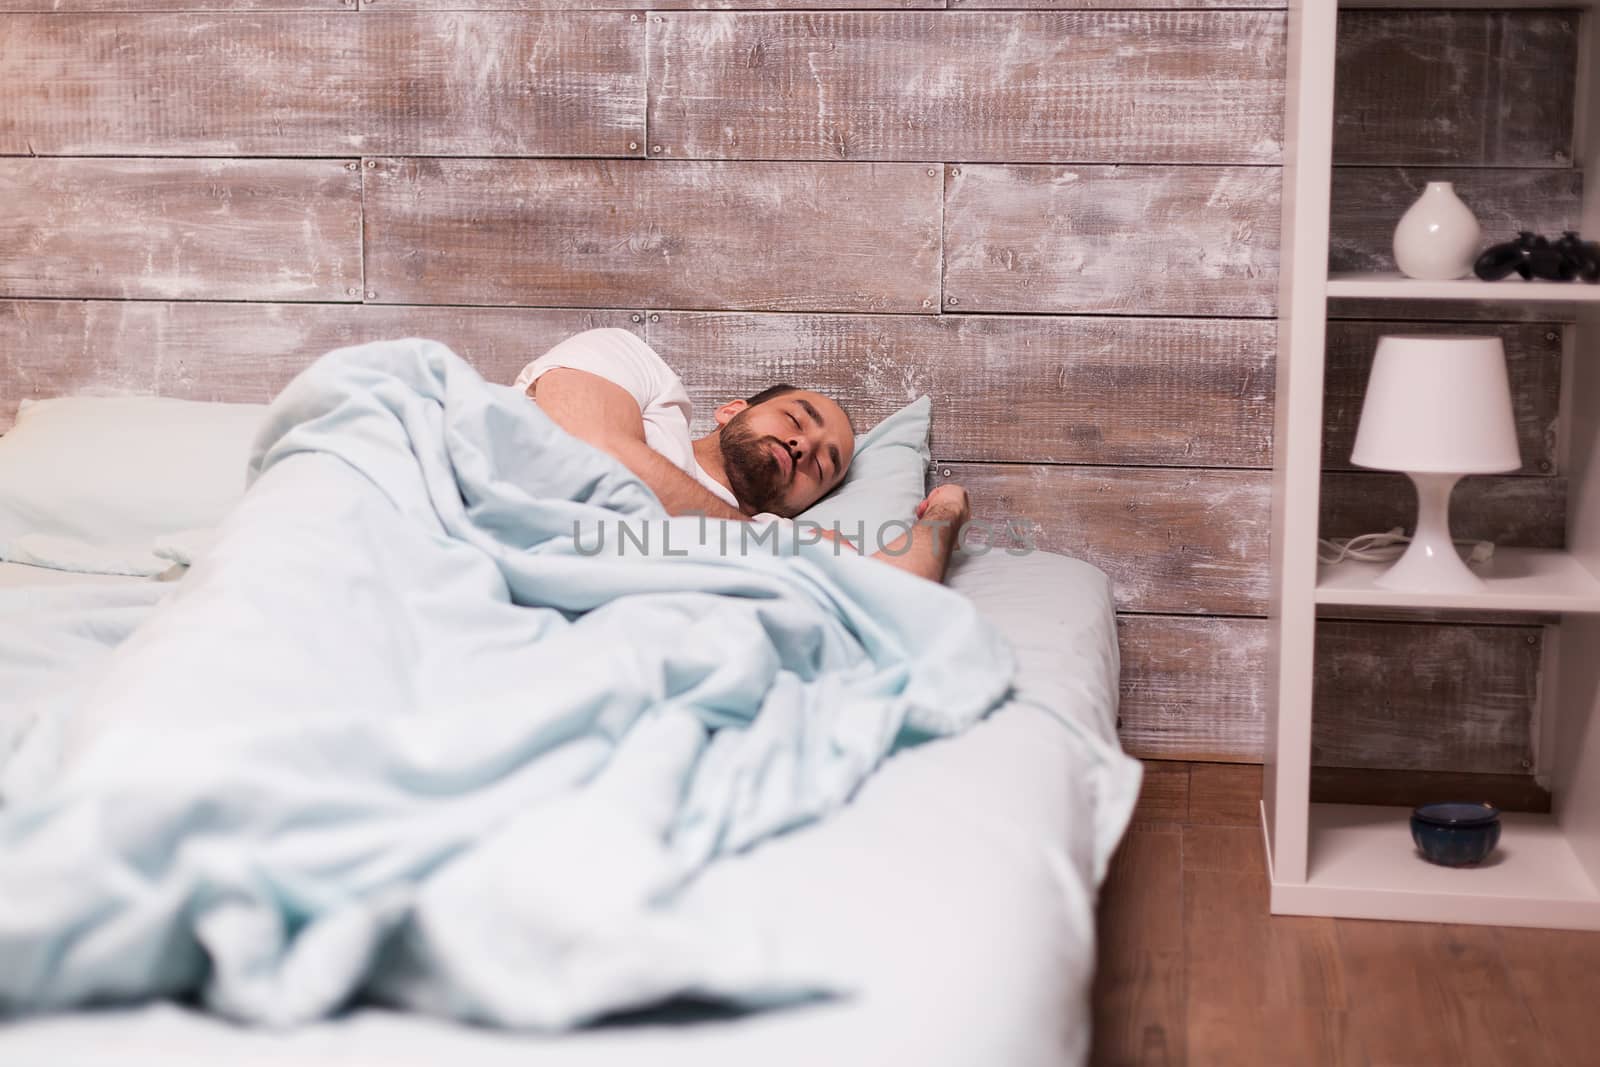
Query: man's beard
x=755 y=474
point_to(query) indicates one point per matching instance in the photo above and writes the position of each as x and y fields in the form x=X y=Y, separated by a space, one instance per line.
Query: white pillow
x=90 y=483
x=886 y=481
x=93 y=483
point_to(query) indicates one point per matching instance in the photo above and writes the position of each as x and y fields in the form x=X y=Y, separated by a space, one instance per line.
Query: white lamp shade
x=1440 y=405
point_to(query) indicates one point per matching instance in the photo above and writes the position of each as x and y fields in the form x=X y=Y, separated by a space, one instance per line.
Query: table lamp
x=1436 y=408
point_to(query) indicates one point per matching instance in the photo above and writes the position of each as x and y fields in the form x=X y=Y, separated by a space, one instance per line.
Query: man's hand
x=947 y=503
x=925 y=551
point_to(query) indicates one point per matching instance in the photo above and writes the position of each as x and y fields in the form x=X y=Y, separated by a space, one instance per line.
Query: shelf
x=1376 y=285
x=1519 y=579
x=1363 y=865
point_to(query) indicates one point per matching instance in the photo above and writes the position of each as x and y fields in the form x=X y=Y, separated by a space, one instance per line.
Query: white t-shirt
x=622 y=358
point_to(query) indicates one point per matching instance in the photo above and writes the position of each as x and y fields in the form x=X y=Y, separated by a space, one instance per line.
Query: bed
x=956 y=891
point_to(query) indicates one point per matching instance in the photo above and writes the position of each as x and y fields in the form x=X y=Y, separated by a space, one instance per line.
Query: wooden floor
x=1193 y=969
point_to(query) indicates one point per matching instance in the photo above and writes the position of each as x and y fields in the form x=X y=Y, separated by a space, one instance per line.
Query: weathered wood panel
x=192 y=6
x=1505 y=509
x=1195 y=541
x=1171 y=392
x=1473 y=87
x=762 y=5
x=1533 y=359
x=1014 y=87
x=1427 y=697
x=1112 y=240
x=181 y=229
x=771 y=236
x=1487 y=618
x=1368 y=202
x=1118 y=5
x=1482 y=311
x=1195 y=688
x=1408 y=788
x=244 y=352
x=262 y=85
x=631 y=5
x=1172 y=541
x=1184 y=392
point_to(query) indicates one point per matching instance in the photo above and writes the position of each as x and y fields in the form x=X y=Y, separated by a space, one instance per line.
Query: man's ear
x=727 y=411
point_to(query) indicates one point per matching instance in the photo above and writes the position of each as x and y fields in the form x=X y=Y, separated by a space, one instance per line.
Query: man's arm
x=606 y=416
x=925 y=549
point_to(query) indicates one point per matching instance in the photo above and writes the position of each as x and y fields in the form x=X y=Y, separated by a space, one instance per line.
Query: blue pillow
x=886 y=481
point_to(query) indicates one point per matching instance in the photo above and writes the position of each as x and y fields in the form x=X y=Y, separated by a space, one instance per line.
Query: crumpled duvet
x=424 y=724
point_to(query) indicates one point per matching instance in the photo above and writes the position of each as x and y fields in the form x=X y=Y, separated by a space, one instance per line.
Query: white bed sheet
x=19 y=574
x=959 y=887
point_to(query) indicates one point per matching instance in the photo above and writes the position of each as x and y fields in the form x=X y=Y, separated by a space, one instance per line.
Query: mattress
x=958 y=889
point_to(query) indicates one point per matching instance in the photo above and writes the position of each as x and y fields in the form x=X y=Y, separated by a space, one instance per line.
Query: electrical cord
x=1382 y=547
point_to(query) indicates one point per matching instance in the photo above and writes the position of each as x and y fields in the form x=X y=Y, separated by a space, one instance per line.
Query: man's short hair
x=781 y=389
x=771 y=391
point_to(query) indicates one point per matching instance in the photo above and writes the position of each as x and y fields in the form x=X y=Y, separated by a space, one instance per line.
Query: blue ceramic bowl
x=1456 y=834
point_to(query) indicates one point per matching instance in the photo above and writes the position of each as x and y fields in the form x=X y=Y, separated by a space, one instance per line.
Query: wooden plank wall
x=1059 y=220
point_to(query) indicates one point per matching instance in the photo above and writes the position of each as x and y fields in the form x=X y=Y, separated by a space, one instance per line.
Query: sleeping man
x=770 y=457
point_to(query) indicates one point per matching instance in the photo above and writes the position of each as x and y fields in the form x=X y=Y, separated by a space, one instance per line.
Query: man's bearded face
x=754 y=469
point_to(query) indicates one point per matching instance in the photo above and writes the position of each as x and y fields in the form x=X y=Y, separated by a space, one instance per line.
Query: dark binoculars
x=1533 y=256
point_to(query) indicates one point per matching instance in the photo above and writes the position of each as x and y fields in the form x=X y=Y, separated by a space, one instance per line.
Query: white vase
x=1437 y=239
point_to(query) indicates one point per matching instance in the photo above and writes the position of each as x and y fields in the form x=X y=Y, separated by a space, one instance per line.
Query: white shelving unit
x=1356 y=860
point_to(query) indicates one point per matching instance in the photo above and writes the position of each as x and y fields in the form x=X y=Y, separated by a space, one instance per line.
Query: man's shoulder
x=618 y=355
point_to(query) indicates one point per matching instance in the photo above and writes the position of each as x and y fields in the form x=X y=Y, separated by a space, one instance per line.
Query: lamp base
x=1431 y=564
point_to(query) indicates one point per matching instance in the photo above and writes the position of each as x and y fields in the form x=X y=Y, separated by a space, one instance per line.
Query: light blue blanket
x=399 y=734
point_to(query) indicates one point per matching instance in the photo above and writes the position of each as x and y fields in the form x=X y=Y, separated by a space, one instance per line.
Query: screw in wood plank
x=637 y=318
x=1550 y=335
x=1532 y=640
x=931 y=172
x=352 y=292
x=927 y=303
x=349 y=166
x=655 y=318
x=633 y=146
x=956 y=173
x=371 y=295
x=1544 y=466
x=952 y=301
x=633 y=18
x=655 y=148
x=371 y=163
x=944 y=472
x=1526 y=764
